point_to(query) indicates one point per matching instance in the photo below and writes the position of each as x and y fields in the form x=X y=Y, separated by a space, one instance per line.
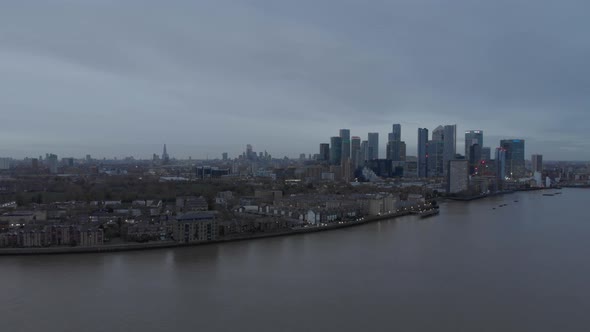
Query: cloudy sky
x=118 y=78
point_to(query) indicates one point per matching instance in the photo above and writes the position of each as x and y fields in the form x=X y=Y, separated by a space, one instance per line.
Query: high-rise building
x=449 y=144
x=486 y=153
x=335 y=150
x=422 y=152
x=457 y=176
x=435 y=151
x=501 y=163
x=396 y=133
x=438 y=133
x=373 y=147
x=537 y=163
x=474 y=158
x=51 y=160
x=345 y=136
x=355 y=152
x=515 y=164
x=396 y=151
x=472 y=137
x=364 y=152
x=165 y=157
x=224 y=156
x=325 y=152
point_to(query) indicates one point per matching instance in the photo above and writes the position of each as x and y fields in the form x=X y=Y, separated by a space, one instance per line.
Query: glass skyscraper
x=335 y=150
x=422 y=152
x=373 y=147
x=515 y=165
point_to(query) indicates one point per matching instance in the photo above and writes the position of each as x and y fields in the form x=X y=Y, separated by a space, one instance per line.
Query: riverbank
x=173 y=244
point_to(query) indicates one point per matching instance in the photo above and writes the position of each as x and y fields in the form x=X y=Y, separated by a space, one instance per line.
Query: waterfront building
x=373 y=147
x=457 y=176
x=335 y=150
x=515 y=163
x=345 y=150
x=324 y=152
x=422 y=152
x=195 y=227
x=537 y=163
x=501 y=163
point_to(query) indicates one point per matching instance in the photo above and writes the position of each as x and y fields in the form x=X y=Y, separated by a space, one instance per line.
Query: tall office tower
x=474 y=158
x=335 y=150
x=435 y=151
x=325 y=152
x=396 y=133
x=501 y=163
x=373 y=147
x=345 y=136
x=364 y=152
x=165 y=157
x=422 y=152
x=355 y=152
x=457 y=176
x=51 y=160
x=486 y=153
x=396 y=151
x=515 y=166
x=472 y=137
x=537 y=163
x=449 y=145
x=224 y=156
x=438 y=133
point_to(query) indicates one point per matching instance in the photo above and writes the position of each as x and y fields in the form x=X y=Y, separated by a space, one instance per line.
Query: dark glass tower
x=422 y=152
x=335 y=150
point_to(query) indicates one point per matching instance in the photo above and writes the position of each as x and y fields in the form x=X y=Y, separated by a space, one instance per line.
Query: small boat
x=548 y=194
x=428 y=213
x=515 y=201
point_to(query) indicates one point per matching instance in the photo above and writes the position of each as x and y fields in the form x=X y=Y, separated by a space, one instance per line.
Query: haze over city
x=112 y=78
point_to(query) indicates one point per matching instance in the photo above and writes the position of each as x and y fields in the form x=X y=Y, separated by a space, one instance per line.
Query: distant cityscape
x=48 y=203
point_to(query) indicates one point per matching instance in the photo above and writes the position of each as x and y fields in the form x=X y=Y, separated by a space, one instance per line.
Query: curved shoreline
x=173 y=244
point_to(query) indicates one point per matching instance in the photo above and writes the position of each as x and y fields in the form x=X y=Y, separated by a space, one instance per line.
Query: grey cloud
x=287 y=75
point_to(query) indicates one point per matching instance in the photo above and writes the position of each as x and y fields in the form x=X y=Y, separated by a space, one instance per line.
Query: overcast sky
x=118 y=78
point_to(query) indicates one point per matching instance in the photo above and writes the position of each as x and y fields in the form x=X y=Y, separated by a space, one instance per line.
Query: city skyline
x=205 y=77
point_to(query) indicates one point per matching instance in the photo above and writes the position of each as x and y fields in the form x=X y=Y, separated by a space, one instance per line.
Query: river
x=521 y=267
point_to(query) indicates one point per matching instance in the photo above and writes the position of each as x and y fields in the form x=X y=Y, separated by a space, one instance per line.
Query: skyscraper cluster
x=435 y=150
